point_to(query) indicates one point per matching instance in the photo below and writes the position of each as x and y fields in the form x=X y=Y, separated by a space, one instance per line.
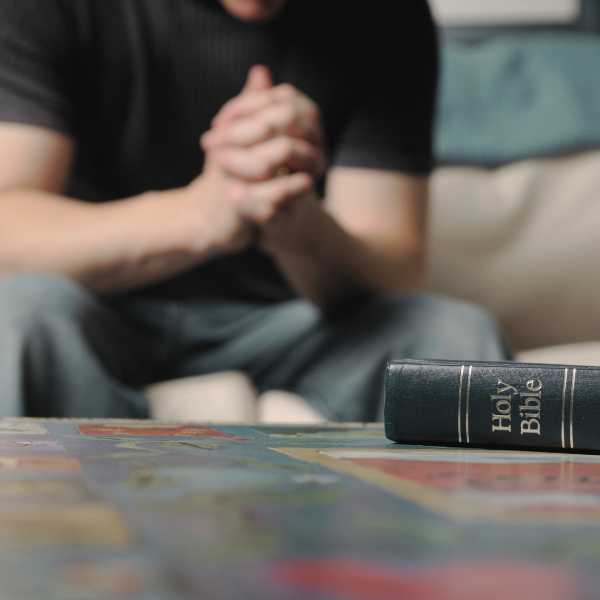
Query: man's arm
x=108 y=247
x=113 y=246
x=368 y=235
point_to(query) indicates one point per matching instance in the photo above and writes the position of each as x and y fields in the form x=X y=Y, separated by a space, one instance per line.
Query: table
x=147 y=510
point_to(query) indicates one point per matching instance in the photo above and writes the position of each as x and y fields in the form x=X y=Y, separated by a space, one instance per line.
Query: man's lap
x=335 y=361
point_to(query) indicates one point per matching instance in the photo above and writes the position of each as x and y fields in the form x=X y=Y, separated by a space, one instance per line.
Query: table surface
x=148 y=510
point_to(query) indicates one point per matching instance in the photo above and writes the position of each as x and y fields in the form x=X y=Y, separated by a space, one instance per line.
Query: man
x=290 y=252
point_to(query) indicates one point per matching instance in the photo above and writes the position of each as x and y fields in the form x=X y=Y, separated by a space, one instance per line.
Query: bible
x=493 y=405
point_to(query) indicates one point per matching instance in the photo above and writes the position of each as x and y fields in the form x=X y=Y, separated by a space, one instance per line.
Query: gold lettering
x=502 y=404
x=530 y=426
x=534 y=385
x=530 y=407
x=505 y=387
x=498 y=422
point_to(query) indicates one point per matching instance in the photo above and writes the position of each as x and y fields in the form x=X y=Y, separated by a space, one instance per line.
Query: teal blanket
x=513 y=98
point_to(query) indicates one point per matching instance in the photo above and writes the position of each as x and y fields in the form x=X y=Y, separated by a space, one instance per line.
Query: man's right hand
x=216 y=214
x=120 y=245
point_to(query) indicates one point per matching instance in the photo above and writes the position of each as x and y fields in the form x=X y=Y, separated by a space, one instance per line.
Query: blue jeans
x=65 y=352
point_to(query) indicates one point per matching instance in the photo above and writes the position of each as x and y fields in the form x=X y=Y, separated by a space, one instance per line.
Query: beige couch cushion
x=583 y=353
x=226 y=397
x=523 y=240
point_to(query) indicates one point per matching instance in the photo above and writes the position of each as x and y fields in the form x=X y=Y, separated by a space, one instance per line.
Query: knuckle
x=287 y=90
x=269 y=194
x=286 y=148
x=306 y=148
x=302 y=182
x=285 y=193
x=312 y=111
x=265 y=168
x=265 y=129
x=260 y=162
x=254 y=157
x=206 y=139
x=289 y=113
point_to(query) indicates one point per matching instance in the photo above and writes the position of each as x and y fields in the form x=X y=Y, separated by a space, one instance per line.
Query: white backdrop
x=493 y=12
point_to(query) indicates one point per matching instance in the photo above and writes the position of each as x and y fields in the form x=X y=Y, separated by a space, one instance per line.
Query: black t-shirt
x=136 y=82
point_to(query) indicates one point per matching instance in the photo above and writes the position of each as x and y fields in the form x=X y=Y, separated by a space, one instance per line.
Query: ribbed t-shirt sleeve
x=36 y=64
x=391 y=126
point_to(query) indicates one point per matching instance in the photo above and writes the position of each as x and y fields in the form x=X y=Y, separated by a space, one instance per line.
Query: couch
x=522 y=240
x=518 y=235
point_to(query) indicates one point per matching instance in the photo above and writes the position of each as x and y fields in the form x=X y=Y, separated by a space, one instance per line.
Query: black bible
x=493 y=405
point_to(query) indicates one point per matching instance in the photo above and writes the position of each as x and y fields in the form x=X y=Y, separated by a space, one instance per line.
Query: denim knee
x=28 y=300
x=439 y=327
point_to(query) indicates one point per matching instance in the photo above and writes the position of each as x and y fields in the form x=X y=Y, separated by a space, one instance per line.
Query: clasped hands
x=264 y=153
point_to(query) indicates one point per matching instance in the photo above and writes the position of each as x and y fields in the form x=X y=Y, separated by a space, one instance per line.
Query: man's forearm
x=327 y=263
x=108 y=247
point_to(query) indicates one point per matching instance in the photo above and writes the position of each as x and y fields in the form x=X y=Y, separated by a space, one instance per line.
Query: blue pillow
x=517 y=97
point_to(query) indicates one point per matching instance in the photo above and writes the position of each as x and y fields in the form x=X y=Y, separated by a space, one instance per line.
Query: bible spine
x=493 y=404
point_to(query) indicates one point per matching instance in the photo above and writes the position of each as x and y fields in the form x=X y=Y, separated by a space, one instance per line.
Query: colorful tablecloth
x=147 y=510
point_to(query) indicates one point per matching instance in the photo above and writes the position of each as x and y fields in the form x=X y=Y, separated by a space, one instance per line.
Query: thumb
x=259 y=79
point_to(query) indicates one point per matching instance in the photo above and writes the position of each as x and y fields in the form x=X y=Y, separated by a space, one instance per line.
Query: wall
x=495 y=12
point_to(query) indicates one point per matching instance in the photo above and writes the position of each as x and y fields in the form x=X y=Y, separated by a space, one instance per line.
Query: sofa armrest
x=523 y=240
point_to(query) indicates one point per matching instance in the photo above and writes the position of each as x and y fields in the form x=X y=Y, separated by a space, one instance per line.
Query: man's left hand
x=266 y=131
